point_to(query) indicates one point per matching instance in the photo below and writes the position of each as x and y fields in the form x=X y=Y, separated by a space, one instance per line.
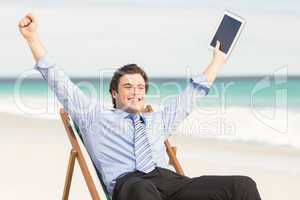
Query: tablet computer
x=228 y=31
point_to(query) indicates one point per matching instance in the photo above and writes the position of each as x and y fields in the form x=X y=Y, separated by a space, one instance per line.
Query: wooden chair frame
x=77 y=154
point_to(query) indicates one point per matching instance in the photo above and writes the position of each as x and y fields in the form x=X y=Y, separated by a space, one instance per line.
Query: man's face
x=131 y=93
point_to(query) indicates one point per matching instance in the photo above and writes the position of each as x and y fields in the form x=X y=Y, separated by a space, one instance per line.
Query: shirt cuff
x=200 y=83
x=43 y=63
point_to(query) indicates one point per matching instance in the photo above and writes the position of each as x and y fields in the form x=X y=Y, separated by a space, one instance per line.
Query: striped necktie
x=142 y=149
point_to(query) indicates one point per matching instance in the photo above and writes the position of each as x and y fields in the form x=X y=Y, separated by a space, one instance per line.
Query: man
x=127 y=145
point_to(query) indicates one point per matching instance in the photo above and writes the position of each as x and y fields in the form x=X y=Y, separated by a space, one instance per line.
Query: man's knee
x=245 y=183
x=247 y=180
x=246 y=187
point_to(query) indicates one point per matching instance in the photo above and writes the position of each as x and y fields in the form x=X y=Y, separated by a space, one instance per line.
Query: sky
x=167 y=38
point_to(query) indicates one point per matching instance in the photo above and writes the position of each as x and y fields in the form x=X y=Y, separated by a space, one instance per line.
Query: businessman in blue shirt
x=127 y=144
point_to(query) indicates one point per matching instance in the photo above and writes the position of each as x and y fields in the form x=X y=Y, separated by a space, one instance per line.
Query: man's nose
x=135 y=90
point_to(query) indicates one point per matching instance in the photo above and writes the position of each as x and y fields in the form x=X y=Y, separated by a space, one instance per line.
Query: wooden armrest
x=174 y=149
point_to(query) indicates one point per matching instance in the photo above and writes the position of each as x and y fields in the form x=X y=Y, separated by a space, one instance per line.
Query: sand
x=34 y=154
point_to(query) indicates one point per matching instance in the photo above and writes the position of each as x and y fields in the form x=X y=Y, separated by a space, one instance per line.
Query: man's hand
x=28 y=29
x=219 y=59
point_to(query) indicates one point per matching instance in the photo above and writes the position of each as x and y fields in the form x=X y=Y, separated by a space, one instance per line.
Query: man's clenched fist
x=28 y=26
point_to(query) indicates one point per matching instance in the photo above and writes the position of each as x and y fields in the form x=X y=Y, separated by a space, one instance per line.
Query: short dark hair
x=126 y=69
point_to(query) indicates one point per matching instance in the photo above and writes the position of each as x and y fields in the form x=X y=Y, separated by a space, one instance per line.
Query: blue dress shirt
x=108 y=134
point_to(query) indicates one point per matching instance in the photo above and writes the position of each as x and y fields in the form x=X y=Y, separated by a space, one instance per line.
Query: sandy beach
x=35 y=151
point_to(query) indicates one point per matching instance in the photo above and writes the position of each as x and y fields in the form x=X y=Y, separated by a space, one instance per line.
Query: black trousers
x=164 y=184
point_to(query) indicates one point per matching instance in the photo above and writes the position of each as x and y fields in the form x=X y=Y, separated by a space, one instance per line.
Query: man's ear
x=114 y=94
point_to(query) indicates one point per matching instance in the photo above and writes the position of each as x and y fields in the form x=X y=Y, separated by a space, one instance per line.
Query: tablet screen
x=226 y=33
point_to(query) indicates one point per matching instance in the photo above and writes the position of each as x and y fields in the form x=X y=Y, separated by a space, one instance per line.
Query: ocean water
x=231 y=91
x=265 y=110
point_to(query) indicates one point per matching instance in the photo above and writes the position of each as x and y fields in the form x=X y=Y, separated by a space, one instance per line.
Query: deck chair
x=92 y=178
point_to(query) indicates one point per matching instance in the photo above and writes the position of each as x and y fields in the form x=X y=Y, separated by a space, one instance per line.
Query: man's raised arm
x=176 y=109
x=75 y=102
x=218 y=60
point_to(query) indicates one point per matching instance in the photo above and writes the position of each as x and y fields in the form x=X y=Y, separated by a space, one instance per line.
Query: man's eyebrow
x=127 y=84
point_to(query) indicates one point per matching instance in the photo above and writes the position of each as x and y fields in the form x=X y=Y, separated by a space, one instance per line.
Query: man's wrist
x=216 y=64
x=36 y=46
x=33 y=39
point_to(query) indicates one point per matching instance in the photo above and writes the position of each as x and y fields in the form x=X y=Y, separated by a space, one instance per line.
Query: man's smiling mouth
x=135 y=99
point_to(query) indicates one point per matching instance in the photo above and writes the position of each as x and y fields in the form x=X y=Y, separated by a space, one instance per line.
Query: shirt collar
x=124 y=114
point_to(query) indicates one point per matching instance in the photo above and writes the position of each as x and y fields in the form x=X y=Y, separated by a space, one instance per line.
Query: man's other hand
x=219 y=57
x=28 y=27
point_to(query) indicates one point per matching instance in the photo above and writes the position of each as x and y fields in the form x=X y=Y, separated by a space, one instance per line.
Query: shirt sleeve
x=178 y=107
x=75 y=102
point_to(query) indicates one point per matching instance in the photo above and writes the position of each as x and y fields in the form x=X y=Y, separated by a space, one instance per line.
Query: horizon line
x=160 y=77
